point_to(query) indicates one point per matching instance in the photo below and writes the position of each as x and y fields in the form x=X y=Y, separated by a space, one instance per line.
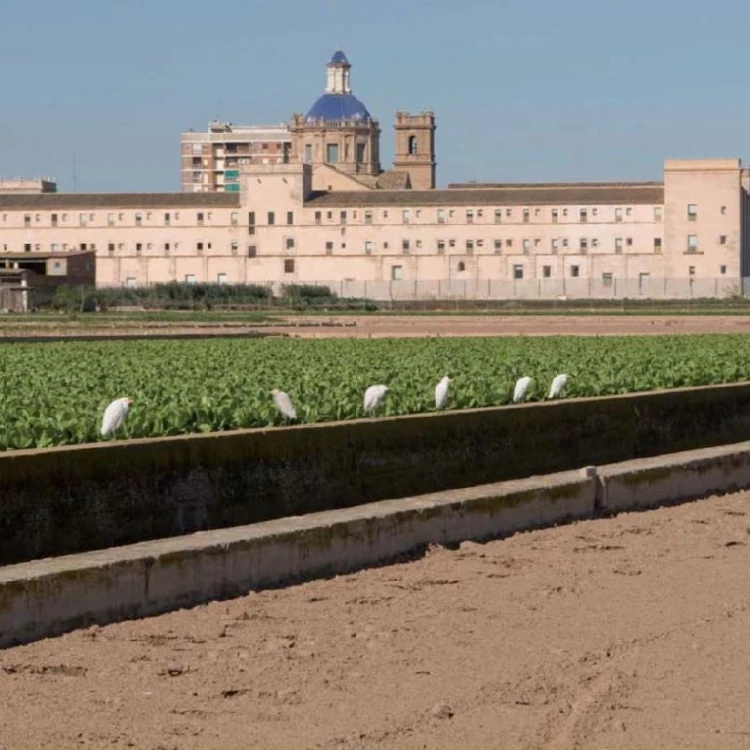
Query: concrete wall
x=72 y=499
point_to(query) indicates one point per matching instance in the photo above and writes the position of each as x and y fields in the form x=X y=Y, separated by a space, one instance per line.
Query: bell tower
x=415 y=148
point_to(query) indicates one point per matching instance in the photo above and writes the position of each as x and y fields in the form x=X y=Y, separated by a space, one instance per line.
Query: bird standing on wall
x=557 y=385
x=284 y=404
x=522 y=385
x=374 y=396
x=441 y=392
x=114 y=416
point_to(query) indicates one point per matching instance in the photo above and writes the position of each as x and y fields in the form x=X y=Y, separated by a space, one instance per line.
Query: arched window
x=461 y=266
x=412 y=144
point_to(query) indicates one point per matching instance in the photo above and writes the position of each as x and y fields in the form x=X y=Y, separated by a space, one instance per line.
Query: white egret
x=114 y=415
x=284 y=403
x=374 y=396
x=441 y=392
x=557 y=385
x=522 y=385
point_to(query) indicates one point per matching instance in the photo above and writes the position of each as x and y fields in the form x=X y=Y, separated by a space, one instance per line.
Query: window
x=691 y=270
x=329 y=215
x=618 y=214
x=723 y=270
x=509 y=243
x=517 y=272
x=342 y=216
x=618 y=244
x=498 y=216
x=138 y=248
x=405 y=245
x=318 y=217
x=595 y=242
x=628 y=242
x=250 y=218
x=290 y=218
x=221 y=278
x=54 y=220
x=27 y=220
x=555 y=215
x=289 y=243
x=288 y=265
x=368 y=247
x=441 y=246
x=583 y=215
x=419 y=244
x=332 y=153
x=397 y=273
x=110 y=247
x=526 y=245
x=271 y=218
x=451 y=243
x=546 y=271
x=692 y=212
x=190 y=278
x=27 y=247
x=81 y=220
x=692 y=243
x=405 y=216
x=110 y=219
x=723 y=210
x=441 y=216
x=131 y=281
x=526 y=215
x=607 y=280
x=360 y=153
x=469 y=246
x=554 y=243
x=461 y=266
x=723 y=239
x=498 y=245
x=308 y=153
x=469 y=216
x=201 y=219
x=657 y=244
x=368 y=217
x=658 y=213
x=252 y=251
x=412 y=144
x=166 y=248
x=575 y=271
x=583 y=244
x=232 y=218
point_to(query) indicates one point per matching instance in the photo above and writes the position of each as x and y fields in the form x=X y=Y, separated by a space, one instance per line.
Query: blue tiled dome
x=339 y=57
x=337 y=107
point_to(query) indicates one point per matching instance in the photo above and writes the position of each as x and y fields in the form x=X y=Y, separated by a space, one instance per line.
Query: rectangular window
x=290 y=243
x=554 y=243
x=308 y=153
x=54 y=220
x=628 y=241
x=658 y=213
x=692 y=243
x=168 y=219
x=201 y=219
x=691 y=270
x=190 y=278
x=441 y=216
x=583 y=243
x=251 y=219
x=318 y=218
x=199 y=247
x=441 y=246
x=81 y=220
x=405 y=245
x=526 y=216
x=469 y=216
x=618 y=214
x=723 y=270
x=288 y=265
x=166 y=248
x=360 y=153
x=289 y=218
x=498 y=245
x=723 y=239
x=27 y=247
x=397 y=273
x=583 y=215
x=405 y=216
x=271 y=218
x=221 y=278
x=509 y=243
x=110 y=220
x=342 y=216
x=27 y=220
x=369 y=247
x=526 y=245
x=618 y=244
x=232 y=218
x=332 y=153
x=469 y=246
x=575 y=271
x=723 y=210
x=607 y=280
x=657 y=244
x=692 y=211
x=517 y=272
x=546 y=271
x=252 y=251
x=110 y=247
x=329 y=248
x=555 y=215
x=368 y=217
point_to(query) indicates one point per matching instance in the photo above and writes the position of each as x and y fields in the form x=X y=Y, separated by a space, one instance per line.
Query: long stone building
x=331 y=215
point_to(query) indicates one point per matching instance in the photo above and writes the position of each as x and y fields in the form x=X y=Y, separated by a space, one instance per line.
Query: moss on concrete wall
x=80 y=498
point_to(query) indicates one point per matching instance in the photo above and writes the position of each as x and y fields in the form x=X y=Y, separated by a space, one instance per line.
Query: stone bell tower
x=415 y=148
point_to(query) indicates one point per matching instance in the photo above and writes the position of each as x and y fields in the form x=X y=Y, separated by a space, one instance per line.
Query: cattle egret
x=522 y=385
x=557 y=385
x=374 y=396
x=284 y=403
x=114 y=415
x=441 y=392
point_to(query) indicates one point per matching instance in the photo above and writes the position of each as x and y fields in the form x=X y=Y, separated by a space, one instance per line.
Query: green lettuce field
x=54 y=394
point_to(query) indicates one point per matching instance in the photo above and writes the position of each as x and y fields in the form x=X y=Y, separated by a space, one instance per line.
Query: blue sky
x=522 y=91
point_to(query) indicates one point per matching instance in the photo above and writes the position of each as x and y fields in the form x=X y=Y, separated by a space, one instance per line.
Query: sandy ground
x=623 y=633
x=382 y=326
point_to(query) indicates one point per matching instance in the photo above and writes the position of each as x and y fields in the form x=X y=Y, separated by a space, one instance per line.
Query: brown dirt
x=622 y=633
x=415 y=326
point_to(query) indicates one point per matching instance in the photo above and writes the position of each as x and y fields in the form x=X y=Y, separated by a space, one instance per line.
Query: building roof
x=338 y=58
x=528 y=195
x=72 y=201
x=337 y=108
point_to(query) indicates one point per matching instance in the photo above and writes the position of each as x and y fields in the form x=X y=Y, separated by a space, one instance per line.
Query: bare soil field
x=403 y=326
x=623 y=633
